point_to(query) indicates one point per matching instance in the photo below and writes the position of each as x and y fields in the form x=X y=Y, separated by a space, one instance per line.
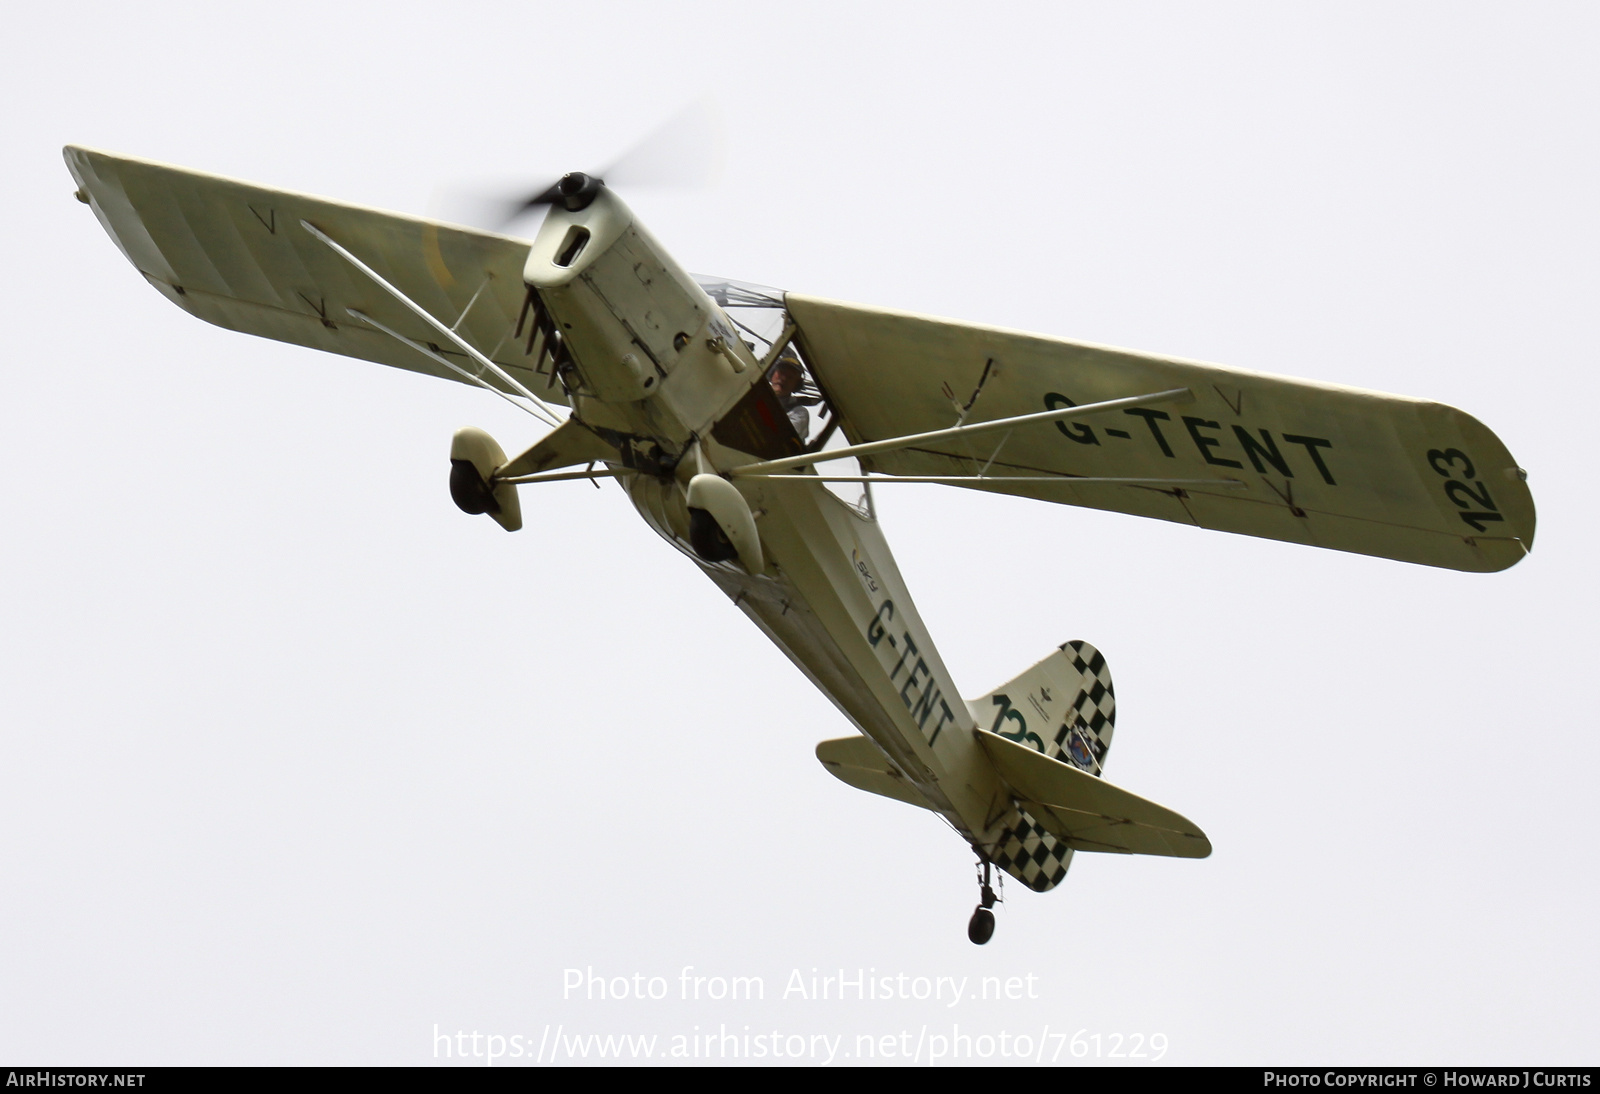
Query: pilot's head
x=786 y=376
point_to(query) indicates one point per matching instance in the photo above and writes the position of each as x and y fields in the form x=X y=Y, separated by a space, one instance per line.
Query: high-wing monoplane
x=725 y=412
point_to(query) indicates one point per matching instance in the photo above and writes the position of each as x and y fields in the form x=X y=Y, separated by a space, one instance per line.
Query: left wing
x=1274 y=457
x=235 y=255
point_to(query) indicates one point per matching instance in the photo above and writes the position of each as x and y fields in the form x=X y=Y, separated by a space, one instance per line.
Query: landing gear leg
x=980 y=928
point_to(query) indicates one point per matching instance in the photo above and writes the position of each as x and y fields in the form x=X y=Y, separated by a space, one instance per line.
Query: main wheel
x=468 y=490
x=708 y=539
x=980 y=928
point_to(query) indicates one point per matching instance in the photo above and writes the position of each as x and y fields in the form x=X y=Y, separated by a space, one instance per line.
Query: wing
x=1308 y=463
x=235 y=255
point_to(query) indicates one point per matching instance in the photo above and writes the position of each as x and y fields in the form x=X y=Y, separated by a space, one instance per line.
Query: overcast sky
x=302 y=764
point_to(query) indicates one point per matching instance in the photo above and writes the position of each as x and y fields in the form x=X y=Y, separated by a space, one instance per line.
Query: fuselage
x=654 y=364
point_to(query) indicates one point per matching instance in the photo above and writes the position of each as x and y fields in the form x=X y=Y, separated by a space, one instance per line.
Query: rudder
x=1065 y=707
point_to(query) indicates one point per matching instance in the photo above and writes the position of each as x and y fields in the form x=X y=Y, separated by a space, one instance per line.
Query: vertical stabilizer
x=1064 y=707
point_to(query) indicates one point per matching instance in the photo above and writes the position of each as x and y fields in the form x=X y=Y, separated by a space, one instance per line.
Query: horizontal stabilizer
x=1087 y=813
x=857 y=761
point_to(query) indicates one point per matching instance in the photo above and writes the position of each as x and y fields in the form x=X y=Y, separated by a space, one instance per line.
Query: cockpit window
x=762 y=320
x=756 y=310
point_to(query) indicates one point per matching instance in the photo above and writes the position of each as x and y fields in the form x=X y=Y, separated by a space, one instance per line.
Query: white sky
x=300 y=762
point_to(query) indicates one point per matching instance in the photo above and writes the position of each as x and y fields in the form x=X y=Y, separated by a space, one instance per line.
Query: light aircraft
x=719 y=407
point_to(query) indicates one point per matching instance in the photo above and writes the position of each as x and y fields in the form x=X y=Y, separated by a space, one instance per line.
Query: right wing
x=1286 y=459
x=235 y=255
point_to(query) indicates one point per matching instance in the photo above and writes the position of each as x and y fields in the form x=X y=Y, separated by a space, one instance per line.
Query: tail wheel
x=980 y=928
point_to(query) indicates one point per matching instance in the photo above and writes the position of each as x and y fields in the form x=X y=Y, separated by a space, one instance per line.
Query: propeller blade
x=685 y=150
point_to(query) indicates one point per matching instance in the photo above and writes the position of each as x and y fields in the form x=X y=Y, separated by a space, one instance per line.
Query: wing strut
x=548 y=413
x=591 y=474
x=984 y=480
x=439 y=358
x=1175 y=395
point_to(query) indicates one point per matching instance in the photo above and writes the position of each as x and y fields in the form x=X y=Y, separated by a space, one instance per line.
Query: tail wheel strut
x=980 y=928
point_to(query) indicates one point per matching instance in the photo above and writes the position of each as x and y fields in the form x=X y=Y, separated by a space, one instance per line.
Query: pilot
x=786 y=379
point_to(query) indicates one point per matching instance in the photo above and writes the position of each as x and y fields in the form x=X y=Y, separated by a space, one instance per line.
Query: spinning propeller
x=685 y=150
